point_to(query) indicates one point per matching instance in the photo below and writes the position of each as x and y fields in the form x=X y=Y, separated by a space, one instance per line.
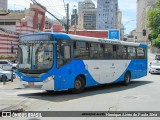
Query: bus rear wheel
x=127 y=78
x=79 y=85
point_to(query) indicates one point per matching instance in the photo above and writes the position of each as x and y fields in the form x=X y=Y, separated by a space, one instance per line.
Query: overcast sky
x=128 y=8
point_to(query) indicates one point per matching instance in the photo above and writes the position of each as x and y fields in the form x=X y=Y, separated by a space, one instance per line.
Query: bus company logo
x=6 y=114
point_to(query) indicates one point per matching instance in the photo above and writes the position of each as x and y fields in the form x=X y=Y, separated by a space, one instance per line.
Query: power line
x=63 y=23
x=55 y=11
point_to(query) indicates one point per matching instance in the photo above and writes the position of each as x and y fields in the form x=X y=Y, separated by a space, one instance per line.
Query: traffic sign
x=114 y=34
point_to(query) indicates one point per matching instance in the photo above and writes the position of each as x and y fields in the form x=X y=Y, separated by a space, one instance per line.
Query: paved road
x=141 y=95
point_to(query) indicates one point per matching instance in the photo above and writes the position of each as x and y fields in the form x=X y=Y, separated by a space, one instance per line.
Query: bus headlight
x=50 y=78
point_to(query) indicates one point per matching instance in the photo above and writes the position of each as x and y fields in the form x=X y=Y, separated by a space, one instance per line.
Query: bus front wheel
x=127 y=78
x=79 y=85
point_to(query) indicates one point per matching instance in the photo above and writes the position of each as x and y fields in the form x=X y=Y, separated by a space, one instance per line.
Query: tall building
x=106 y=14
x=119 y=24
x=74 y=17
x=3 y=4
x=86 y=4
x=87 y=15
x=143 y=6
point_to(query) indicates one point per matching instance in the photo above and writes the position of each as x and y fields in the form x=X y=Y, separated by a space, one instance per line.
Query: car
x=8 y=74
x=154 y=67
x=7 y=65
x=157 y=57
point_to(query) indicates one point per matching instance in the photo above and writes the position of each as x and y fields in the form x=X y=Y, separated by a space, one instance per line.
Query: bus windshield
x=35 y=54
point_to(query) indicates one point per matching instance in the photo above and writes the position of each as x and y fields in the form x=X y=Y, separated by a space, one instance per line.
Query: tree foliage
x=156 y=42
x=153 y=23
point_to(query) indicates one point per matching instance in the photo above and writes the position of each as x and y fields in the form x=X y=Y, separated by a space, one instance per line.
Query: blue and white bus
x=59 y=61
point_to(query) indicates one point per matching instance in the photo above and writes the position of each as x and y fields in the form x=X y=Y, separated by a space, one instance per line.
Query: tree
x=156 y=42
x=153 y=18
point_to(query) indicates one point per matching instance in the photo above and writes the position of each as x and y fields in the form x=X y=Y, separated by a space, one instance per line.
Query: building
x=20 y=22
x=30 y=20
x=143 y=6
x=106 y=14
x=92 y=33
x=86 y=4
x=119 y=24
x=8 y=39
x=74 y=18
x=57 y=26
x=3 y=4
x=119 y=19
x=132 y=37
x=87 y=15
x=87 y=19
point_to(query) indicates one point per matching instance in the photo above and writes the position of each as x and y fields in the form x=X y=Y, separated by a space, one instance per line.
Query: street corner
x=8 y=84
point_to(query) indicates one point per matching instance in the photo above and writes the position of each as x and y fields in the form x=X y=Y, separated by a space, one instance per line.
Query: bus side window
x=81 y=50
x=140 y=53
x=114 y=51
x=108 y=51
x=63 y=52
x=122 y=52
x=131 y=53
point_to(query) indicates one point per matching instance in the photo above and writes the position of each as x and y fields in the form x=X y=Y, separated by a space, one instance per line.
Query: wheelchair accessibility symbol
x=114 y=34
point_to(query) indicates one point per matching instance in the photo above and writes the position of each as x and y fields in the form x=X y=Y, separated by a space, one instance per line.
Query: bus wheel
x=79 y=85
x=127 y=78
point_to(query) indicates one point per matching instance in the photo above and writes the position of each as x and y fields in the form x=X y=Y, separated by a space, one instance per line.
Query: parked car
x=154 y=67
x=7 y=65
x=8 y=74
x=157 y=57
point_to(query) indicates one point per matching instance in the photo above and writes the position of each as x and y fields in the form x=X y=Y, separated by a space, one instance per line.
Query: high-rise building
x=143 y=6
x=86 y=4
x=87 y=15
x=74 y=17
x=119 y=24
x=3 y=4
x=106 y=14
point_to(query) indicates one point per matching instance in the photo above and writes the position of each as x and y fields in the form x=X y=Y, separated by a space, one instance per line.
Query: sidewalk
x=9 y=85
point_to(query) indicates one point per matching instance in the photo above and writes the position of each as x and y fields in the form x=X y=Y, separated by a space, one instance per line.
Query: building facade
x=87 y=19
x=106 y=14
x=87 y=15
x=22 y=22
x=3 y=4
x=86 y=4
x=143 y=6
x=74 y=17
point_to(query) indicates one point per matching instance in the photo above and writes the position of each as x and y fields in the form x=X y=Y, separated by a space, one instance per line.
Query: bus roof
x=89 y=39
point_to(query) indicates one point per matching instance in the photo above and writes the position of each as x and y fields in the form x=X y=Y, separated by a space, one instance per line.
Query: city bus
x=58 y=61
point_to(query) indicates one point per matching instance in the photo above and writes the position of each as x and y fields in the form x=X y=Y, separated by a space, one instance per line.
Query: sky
x=56 y=7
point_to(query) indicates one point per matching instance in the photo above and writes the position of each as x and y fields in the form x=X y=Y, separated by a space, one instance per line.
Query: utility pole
x=67 y=26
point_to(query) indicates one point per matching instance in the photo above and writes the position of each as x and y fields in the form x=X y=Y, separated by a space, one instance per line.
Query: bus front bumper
x=45 y=85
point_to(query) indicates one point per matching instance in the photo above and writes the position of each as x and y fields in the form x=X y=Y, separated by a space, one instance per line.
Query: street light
x=124 y=25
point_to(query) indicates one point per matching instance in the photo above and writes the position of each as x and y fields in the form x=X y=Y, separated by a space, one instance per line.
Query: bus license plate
x=31 y=83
